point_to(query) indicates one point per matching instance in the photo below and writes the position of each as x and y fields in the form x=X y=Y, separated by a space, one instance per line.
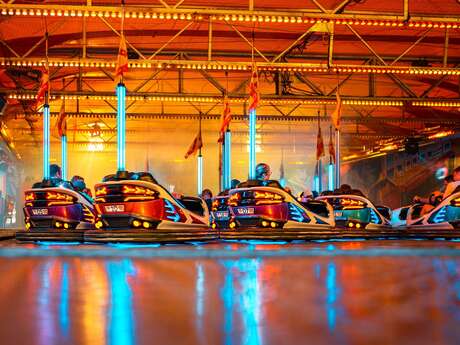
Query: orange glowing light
x=59 y=196
x=267 y=195
x=352 y=203
x=233 y=199
x=389 y=147
x=455 y=202
x=101 y=191
x=137 y=190
x=440 y=134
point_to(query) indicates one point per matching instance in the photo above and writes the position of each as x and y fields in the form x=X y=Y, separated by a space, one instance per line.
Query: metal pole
x=210 y=39
x=252 y=144
x=316 y=182
x=320 y=176
x=200 y=174
x=64 y=157
x=337 y=158
x=227 y=166
x=46 y=141
x=330 y=176
x=121 y=126
x=446 y=47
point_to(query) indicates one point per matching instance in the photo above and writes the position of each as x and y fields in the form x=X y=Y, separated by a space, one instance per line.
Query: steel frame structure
x=210 y=63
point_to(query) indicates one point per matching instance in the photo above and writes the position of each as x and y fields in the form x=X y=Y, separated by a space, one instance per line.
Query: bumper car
x=220 y=215
x=356 y=213
x=133 y=207
x=399 y=217
x=54 y=212
x=264 y=210
x=445 y=216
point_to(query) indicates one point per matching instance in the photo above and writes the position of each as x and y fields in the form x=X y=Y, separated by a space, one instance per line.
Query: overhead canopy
x=394 y=63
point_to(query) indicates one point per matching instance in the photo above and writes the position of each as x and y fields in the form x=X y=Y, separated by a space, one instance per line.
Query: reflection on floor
x=315 y=299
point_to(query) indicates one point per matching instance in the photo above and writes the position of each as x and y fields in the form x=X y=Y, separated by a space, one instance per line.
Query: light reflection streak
x=245 y=298
x=45 y=314
x=120 y=314
x=332 y=295
x=199 y=290
x=64 y=302
x=94 y=303
x=199 y=300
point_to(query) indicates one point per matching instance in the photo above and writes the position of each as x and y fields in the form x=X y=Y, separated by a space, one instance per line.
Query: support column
x=330 y=176
x=320 y=176
x=199 y=183
x=252 y=144
x=64 y=157
x=46 y=141
x=121 y=127
x=227 y=165
x=337 y=158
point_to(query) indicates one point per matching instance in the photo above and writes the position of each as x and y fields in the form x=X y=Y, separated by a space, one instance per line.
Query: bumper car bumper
x=150 y=236
x=35 y=235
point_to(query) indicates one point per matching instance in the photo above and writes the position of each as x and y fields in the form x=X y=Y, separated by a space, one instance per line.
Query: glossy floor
x=360 y=292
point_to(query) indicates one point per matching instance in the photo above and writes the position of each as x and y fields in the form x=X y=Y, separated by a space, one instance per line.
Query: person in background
x=345 y=189
x=55 y=172
x=263 y=172
x=206 y=195
x=450 y=184
x=79 y=185
x=55 y=179
x=234 y=183
x=306 y=195
x=453 y=185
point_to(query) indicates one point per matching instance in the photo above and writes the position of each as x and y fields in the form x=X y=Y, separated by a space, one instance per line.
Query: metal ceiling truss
x=163 y=11
x=266 y=99
x=282 y=117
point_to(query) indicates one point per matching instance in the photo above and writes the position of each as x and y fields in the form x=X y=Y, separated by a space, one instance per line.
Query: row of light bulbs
x=241 y=66
x=164 y=14
x=241 y=100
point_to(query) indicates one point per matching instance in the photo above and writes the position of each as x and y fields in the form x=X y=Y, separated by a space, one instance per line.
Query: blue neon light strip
x=200 y=174
x=121 y=126
x=222 y=172
x=64 y=157
x=227 y=160
x=171 y=213
x=252 y=144
x=330 y=177
x=316 y=183
x=46 y=142
x=337 y=158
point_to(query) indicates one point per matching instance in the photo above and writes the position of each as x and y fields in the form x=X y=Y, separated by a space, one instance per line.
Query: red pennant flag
x=331 y=149
x=147 y=164
x=196 y=145
x=254 y=96
x=122 y=59
x=61 y=121
x=226 y=118
x=337 y=113
x=319 y=145
x=44 y=87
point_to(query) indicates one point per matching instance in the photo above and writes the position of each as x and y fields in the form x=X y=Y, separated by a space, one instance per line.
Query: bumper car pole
x=46 y=140
x=337 y=158
x=227 y=159
x=252 y=144
x=121 y=126
x=64 y=157
x=200 y=173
